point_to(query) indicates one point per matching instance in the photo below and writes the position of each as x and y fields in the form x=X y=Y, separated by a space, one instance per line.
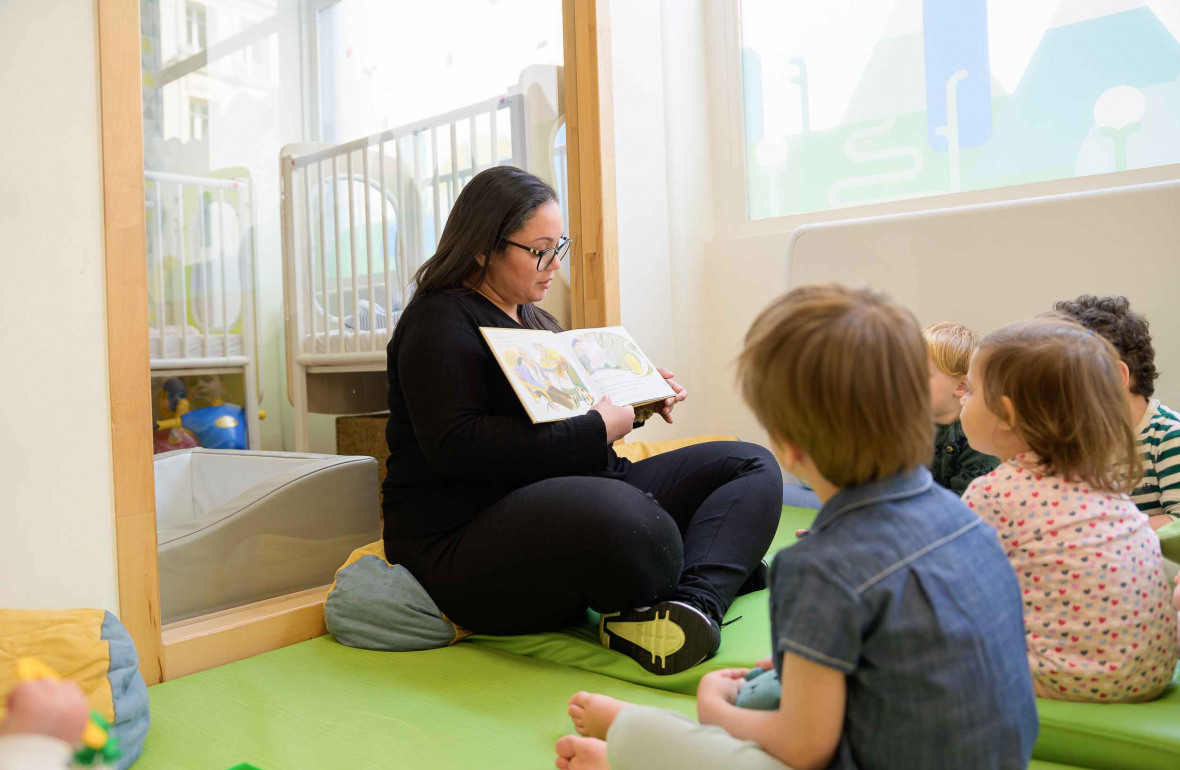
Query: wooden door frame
x=223 y=637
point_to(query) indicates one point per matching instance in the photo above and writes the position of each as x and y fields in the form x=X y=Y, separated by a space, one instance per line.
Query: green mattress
x=494 y=702
x=322 y=705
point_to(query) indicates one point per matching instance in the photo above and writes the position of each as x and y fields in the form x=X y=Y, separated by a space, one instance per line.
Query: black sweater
x=459 y=439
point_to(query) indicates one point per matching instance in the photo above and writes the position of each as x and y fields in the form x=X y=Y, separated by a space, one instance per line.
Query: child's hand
x=44 y=707
x=765 y=664
x=721 y=685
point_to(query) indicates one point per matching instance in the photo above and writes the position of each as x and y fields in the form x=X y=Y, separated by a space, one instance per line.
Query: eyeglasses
x=546 y=257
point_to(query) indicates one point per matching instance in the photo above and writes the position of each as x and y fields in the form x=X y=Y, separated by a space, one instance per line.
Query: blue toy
x=761 y=690
x=220 y=426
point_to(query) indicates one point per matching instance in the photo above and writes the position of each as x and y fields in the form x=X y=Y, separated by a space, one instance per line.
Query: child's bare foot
x=574 y=753
x=593 y=714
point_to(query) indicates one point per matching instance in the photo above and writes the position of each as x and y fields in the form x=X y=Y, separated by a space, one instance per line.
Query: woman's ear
x=480 y=259
x=961 y=389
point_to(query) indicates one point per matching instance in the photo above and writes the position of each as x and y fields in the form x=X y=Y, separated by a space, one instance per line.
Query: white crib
x=200 y=263
x=344 y=290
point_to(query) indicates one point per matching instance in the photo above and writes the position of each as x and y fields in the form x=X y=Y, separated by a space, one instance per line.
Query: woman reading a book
x=515 y=527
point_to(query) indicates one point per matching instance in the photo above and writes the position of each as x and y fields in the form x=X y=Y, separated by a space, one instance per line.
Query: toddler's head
x=950 y=347
x=1128 y=331
x=838 y=377
x=1050 y=386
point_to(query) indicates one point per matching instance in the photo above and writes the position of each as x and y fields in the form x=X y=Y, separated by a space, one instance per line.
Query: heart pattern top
x=1098 y=616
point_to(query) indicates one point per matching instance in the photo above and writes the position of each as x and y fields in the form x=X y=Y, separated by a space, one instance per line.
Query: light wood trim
x=127 y=339
x=590 y=156
x=242 y=632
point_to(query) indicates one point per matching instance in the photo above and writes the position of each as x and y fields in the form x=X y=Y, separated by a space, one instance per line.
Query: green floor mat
x=745 y=641
x=320 y=704
x=1113 y=736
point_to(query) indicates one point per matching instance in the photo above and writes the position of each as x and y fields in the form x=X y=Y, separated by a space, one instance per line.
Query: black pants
x=689 y=525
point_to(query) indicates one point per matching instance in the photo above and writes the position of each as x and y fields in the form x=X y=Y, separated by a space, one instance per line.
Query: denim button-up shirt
x=906 y=591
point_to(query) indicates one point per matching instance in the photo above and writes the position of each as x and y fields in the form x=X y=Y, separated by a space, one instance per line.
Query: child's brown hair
x=950 y=346
x=841 y=374
x=1128 y=331
x=1066 y=390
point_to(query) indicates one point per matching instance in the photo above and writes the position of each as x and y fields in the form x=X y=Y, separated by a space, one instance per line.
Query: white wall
x=57 y=543
x=984 y=266
x=663 y=188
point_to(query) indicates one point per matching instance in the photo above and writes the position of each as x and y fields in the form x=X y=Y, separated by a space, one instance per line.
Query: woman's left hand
x=665 y=411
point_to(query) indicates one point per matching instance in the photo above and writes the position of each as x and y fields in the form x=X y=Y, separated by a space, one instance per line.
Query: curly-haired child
x=1045 y=395
x=1157 y=426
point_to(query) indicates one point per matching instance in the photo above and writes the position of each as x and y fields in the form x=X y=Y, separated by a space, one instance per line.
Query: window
x=852 y=102
x=194 y=17
x=198 y=118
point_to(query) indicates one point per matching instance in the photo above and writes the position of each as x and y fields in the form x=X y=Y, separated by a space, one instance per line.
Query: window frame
x=727 y=128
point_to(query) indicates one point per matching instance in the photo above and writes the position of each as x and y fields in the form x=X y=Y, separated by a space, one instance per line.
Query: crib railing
x=187 y=214
x=360 y=217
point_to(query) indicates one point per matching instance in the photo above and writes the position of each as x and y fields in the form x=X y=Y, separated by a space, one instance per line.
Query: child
x=955 y=463
x=45 y=720
x=896 y=621
x=1045 y=394
x=1158 y=427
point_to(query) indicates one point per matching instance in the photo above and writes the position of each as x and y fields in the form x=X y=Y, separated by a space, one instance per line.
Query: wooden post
x=590 y=143
x=127 y=323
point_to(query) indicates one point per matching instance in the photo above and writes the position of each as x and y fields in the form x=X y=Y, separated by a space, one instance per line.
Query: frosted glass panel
x=851 y=102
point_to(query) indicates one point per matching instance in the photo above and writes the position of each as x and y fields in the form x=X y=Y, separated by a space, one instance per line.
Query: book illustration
x=555 y=380
x=600 y=350
x=547 y=377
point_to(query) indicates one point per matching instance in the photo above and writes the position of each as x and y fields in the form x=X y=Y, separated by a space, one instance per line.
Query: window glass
x=852 y=102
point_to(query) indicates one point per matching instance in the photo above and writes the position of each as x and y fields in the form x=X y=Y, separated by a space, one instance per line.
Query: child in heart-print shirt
x=1099 y=621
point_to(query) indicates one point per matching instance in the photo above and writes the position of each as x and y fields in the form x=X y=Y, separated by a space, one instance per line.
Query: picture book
x=556 y=376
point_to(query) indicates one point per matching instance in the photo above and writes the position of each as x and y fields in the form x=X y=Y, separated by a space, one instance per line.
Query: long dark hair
x=495 y=203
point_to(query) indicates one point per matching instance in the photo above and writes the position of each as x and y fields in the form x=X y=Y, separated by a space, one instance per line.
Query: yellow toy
x=98 y=745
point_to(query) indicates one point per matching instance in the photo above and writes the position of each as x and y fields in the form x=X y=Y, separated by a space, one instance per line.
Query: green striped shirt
x=1159 y=446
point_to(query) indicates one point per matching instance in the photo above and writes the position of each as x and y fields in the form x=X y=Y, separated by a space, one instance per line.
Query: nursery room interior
x=286 y=520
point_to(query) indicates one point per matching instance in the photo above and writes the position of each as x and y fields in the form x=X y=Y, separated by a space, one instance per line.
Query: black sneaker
x=665 y=639
x=758 y=579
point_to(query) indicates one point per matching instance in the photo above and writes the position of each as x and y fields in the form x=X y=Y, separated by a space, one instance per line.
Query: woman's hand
x=717 y=690
x=665 y=411
x=618 y=419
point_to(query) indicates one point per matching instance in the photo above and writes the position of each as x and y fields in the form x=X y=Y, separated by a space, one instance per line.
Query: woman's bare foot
x=593 y=714
x=574 y=753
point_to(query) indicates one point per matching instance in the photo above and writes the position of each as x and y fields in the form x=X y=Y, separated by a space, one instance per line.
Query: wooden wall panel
x=590 y=143
x=127 y=323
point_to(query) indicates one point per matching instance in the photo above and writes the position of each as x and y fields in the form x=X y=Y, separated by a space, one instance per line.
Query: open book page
x=616 y=366
x=549 y=382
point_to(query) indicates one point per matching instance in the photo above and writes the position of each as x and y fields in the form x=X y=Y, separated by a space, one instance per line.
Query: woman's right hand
x=618 y=419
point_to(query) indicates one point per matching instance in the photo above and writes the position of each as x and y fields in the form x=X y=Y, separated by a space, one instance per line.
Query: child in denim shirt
x=896 y=622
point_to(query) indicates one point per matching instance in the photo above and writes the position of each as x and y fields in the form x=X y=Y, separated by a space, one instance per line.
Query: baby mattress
x=174 y=344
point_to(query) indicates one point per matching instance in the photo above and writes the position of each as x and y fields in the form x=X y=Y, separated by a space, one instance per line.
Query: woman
x=517 y=528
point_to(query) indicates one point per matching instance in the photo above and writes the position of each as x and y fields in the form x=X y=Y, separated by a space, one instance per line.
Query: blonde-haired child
x=956 y=463
x=1046 y=395
x=896 y=622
